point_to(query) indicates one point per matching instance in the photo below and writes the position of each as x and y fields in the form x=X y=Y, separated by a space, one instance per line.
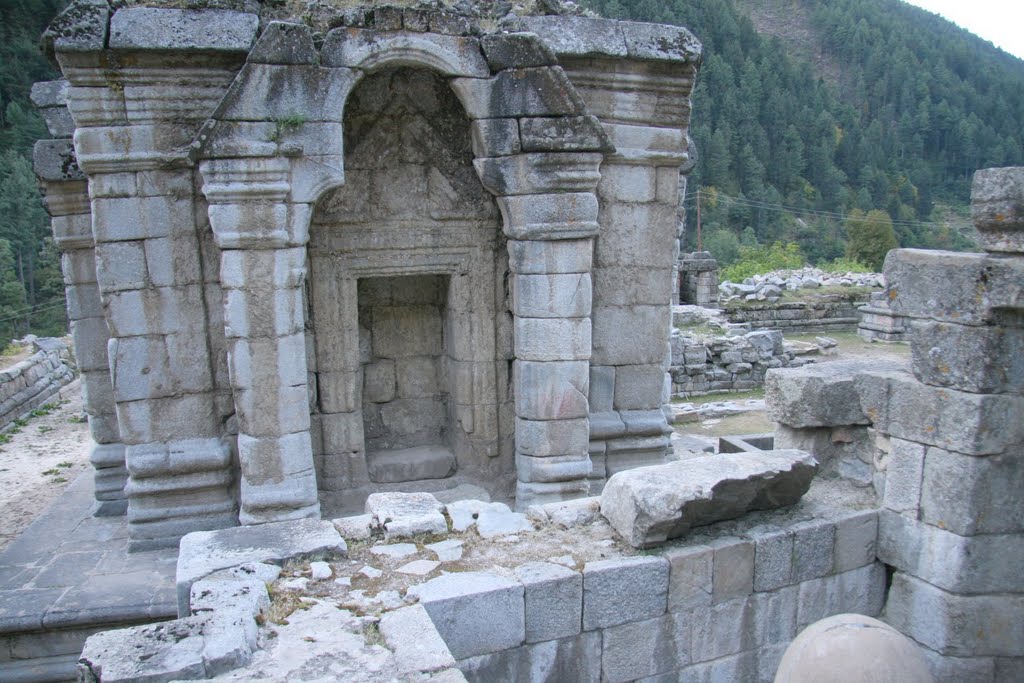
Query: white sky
x=1001 y=21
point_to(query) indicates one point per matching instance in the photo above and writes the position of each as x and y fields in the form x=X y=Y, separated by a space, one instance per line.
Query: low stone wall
x=30 y=383
x=739 y=363
x=828 y=314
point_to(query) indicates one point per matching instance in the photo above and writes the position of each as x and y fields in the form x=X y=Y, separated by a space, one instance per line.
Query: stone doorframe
x=274 y=146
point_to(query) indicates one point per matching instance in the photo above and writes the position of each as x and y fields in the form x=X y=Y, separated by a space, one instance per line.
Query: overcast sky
x=1001 y=21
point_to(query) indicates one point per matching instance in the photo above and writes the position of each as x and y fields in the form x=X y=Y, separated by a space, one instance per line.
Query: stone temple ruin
x=400 y=249
x=303 y=266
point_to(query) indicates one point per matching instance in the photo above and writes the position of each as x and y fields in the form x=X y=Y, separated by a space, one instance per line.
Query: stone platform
x=68 y=576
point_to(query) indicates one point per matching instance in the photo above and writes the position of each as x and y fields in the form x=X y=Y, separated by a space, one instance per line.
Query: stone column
x=644 y=107
x=142 y=82
x=262 y=271
x=952 y=523
x=66 y=198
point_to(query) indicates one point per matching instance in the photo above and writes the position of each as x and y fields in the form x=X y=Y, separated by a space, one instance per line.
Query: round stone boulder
x=852 y=648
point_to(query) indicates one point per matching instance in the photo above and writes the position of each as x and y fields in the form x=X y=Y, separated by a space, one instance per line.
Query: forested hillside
x=888 y=125
x=31 y=287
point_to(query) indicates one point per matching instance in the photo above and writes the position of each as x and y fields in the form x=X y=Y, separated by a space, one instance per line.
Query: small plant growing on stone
x=78 y=419
x=45 y=428
x=287 y=124
x=5 y=438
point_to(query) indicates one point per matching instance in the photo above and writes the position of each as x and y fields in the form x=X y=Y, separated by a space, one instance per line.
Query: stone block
x=411 y=464
x=542 y=438
x=561 y=216
x=813 y=543
x=164 y=420
x=774 y=614
x=415 y=642
x=578 y=36
x=203 y=552
x=379 y=381
x=638 y=387
x=974 y=424
x=552 y=339
x=279 y=268
x=602 y=389
x=542 y=257
x=960 y=564
x=515 y=93
x=997 y=208
x=626 y=183
x=733 y=570
x=121 y=266
x=647 y=343
x=539 y=173
x=623 y=590
x=138 y=218
x=903 y=476
x=816 y=395
x=722 y=630
x=453 y=55
x=284 y=43
x=564 y=134
x=271 y=92
x=860 y=590
x=551 y=391
x=147 y=28
x=690 y=577
x=950 y=624
x=631 y=285
x=516 y=50
x=643 y=649
x=400 y=331
x=971 y=496
x=651 y=504
x=565 y=295
x=341 y=432
x=554 y=600
x=476 y=613
x=556 y=468
x=953 y=287
x=495 y=137
x=773 y=557
x=856 y=540
x=618 y=245
x=569 y=659
x=173 y=261
x=54 y=161
x=339 y=392
x=977 y=359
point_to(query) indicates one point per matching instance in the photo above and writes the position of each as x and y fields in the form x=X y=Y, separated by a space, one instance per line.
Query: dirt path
x=40 y=459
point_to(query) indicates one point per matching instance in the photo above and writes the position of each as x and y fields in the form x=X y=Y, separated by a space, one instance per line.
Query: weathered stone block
x=690 y=577
x=552 y=339
x=861 y=591
x=651 y=504
x=516 y=50
x=542 y=438
x=556 y=295
x=774 y=614
x=631 y=285
x=638 y=387
x=495 y=137
x=136 y=218
x=976 y=359
x=997 y=208
x=951 y=624
x=623 y=590
x=563 y=134
x=556 y=468
x=535 y=91
x=147 y=28
x=975 y=424
x=647 y=342
x=903 y=476
x=415 y=641
x=551 y=391
x=628 y=183
x=271 y=92
x=559 y=216
x=284 y=43
x=476 y=613
x=773 y=557
x=816 y=395
x=733 y=569
x=617 y=244
x=379 y=381
x=971 y=496
x=569 y=659
x=554 y=600
x=452 y=55
x=722 y=630
x=645 y=648
x=964 y=565
x=813 y=543
x=856 y=540
x=548 y=257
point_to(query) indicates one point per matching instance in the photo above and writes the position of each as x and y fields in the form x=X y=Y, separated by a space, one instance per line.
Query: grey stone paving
x=69 y=574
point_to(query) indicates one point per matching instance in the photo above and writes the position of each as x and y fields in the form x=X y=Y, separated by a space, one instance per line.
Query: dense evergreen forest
x=844 y=126
x=889 y=126
x=31 y=287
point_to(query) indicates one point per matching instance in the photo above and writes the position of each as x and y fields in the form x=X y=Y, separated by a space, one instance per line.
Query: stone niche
x=369 y=248
x=407 y=270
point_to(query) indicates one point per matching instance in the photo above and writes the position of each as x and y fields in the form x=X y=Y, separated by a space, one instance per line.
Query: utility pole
x=700 y=240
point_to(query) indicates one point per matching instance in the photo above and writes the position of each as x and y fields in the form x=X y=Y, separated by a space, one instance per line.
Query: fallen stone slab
x=819 y=395
x=402 y=515
x=649 y=505
x=203 y=552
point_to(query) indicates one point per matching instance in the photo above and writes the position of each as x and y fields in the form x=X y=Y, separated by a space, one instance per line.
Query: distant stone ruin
x=387 y=247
